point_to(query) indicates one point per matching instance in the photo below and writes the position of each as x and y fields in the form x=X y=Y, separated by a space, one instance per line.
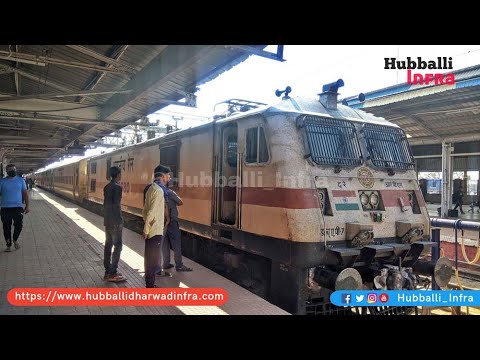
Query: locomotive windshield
x=331 y=141
x=388 y=147
x=335 y=142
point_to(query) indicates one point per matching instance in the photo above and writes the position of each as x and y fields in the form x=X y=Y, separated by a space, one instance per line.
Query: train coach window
x=109 y=165
x=93 y=185
x=256 y=150
x=120 y=164
x=169 y=157
x=93 y=168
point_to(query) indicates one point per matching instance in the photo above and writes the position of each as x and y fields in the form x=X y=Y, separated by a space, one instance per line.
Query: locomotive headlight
x=374 y=200
x=364 y=199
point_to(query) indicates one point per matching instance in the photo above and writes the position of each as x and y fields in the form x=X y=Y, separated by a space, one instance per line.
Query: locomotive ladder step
x=379 y=249
x=346 y=251
x=398 y=249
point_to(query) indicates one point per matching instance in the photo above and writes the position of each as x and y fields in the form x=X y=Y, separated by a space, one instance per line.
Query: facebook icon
x=346 y=298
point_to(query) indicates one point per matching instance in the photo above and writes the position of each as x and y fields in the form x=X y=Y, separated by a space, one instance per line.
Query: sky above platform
x=308 y=67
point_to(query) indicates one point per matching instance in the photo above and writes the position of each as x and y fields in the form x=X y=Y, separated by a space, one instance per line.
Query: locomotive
x=296 y=200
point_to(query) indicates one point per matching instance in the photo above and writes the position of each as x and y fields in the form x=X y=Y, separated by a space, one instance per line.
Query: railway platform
x=62 y=247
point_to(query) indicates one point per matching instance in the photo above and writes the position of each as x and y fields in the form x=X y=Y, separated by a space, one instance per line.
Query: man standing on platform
x=154 y=218
x=113 y=221
x=13 y=191
x=173 y=237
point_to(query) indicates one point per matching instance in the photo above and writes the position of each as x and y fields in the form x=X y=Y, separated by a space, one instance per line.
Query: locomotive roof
x=298 y=105
x=306 y=106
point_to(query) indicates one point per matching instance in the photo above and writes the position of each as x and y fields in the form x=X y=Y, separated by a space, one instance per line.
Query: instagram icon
x=371 y=298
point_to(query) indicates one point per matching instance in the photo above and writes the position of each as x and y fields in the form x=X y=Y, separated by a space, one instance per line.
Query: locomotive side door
x=75 y=181
x=226 y=181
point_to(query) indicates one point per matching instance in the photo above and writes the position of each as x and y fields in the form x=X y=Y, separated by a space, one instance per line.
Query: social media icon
x=346 y=298
x=383 y=298
x=371 y=298
x=359 y=298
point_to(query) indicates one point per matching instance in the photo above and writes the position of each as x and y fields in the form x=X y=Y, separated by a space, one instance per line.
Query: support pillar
x=435 y=253
x=447 y=148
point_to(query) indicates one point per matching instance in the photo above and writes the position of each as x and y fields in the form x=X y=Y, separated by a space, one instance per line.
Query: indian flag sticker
x=345 y=200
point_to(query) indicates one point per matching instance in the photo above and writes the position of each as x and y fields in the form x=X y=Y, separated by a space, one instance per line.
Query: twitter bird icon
x=359 y=298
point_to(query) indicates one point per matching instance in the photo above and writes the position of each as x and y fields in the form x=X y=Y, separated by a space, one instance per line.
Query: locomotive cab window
x=388 y=147
x=232 y=150
x=330 y=141
x=256 y=150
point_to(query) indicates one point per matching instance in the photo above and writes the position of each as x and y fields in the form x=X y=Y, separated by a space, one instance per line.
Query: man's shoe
x=8 y=249
x=16 y=244
x=184 y=268
x=166 y=267
x=164 y=274
x=116 y=278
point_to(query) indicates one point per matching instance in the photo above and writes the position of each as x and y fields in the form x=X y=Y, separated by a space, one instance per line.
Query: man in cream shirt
x=154 y=215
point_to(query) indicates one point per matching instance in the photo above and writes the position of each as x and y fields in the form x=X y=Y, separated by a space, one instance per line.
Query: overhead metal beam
x=30 y=156
x=466 y=127
x=10 y=143
x=22 y=160
x=190 y=102
x=427 y=103
x=420 y=122
x=456 y=117
x=51 y=120
x=116 y=55
x=451 y=154
x=34 y=77
x=63 y=119
x=91 y=136
x=5 y=71
x=44 y=60
x=17 y=76
x=37 y=147
x=23 y=166
x=95 y=55
x=62 y=95
x=173 y=59
x=14 y=137
x=266 y=54
x=13 y=155
x=34 y=150
x=12 y=127
x=424 y=140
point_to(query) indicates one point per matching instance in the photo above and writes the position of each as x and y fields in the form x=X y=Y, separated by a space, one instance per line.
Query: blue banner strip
x=406 y=298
